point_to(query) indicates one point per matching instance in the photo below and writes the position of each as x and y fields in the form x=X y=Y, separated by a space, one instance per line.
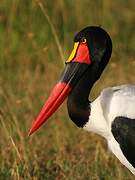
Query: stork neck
x=78 y=103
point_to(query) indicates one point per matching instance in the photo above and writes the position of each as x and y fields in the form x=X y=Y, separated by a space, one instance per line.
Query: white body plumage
x=112 y=102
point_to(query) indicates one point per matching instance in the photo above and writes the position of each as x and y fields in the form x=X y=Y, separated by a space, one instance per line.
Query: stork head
x=92 y=48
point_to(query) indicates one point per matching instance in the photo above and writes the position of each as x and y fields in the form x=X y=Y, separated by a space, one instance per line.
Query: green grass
x=35 y=36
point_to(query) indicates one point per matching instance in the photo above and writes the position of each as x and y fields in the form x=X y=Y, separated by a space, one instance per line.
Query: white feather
x=112 y=102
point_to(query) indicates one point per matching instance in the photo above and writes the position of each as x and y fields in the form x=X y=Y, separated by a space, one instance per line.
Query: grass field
x=36 y=38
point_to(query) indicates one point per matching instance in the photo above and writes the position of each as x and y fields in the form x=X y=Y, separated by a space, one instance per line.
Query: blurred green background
x=36 y=37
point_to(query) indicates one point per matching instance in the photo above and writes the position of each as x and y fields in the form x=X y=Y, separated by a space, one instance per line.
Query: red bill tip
x=56 y=98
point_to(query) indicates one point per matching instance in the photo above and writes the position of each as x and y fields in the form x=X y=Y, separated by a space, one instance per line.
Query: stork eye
x=83 y=40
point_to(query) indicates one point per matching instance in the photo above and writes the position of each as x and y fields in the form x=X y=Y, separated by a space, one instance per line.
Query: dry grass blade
x=53 y=30
x=15 y=147
x=11 y=139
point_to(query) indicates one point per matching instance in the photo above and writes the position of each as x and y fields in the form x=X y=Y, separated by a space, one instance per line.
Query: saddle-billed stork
x=112 y=113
